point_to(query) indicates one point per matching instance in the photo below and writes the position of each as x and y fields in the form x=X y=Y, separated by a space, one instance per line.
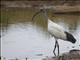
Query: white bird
x=57 y=32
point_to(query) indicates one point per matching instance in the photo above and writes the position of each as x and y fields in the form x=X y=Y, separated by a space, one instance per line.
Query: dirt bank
x=57 y=6
x=71 y=55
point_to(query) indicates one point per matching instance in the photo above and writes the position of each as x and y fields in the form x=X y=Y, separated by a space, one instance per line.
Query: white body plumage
x=59 y=32
x=56 y=30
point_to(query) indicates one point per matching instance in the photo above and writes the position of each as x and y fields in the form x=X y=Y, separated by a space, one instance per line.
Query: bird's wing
x=56 y=30
x=51 y=23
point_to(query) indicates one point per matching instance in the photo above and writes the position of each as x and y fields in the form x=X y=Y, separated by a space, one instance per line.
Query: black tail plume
x=70 y=37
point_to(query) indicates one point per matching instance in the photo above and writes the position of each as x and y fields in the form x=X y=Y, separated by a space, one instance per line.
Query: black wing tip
x=70 y=37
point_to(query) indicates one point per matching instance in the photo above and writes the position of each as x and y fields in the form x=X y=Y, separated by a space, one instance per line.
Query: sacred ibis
x=56 y=31
x=59 y=33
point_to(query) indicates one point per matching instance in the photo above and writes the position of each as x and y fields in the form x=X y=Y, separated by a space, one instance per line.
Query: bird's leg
x=55 y=47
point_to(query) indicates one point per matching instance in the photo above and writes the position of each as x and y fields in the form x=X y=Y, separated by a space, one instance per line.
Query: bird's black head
x=70 y=37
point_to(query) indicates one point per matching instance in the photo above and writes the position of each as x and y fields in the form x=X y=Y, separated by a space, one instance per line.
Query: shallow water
x=30 y=41
x=21 y=39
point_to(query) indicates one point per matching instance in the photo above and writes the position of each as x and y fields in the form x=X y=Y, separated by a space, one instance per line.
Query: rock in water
x=71 y=55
